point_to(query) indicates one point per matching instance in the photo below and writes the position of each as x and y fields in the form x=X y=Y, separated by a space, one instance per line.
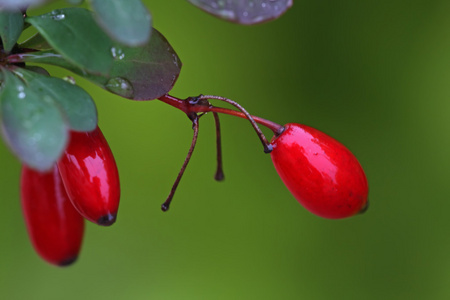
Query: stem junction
x=194 y=108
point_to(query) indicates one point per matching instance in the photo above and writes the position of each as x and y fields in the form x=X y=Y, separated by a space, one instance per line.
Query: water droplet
x=175 y=60
x=21 y=90
x=70 y=79
x=120 y=86
x=228 y=14
x=57 y=15
x=117 y=53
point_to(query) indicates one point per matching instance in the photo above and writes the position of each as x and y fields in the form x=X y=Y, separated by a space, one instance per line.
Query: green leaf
x=37 y=69
x=37 y=42
x=74 y=34
x=245 y=12
x=32 y=125
x=139 y=73
x=20 y=4
x=11 y=26
x=126 y=21
x=75 y=2
x=76 y=104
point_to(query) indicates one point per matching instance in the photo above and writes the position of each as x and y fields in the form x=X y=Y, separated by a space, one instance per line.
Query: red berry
x=90 y=175
x=54 y=226
x=321 y=173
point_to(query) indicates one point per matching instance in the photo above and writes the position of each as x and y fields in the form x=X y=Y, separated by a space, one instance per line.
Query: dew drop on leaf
x=70 y=79
x=57 y=15
x=120 y=86
x=117 y=53
x=21 y=94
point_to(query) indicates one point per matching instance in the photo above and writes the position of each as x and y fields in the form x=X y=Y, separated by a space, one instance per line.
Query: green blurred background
x=373 y=74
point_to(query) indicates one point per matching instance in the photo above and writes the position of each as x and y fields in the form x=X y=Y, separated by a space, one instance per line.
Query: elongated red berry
x=54 y=226
x=90 y=175
x=321 y=173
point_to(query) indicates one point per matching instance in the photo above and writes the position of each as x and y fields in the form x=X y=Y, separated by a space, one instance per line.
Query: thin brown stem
x=219 y=172
x=267 y=146
x=165 y=206
x=276 y=128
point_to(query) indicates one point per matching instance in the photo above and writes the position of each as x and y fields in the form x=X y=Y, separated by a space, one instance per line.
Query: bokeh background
x=373 y=74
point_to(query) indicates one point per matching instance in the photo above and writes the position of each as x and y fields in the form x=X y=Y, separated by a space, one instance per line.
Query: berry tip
x=268 y=148
x=107 y=220
x=364 y=208
x=67 y=262
x=164 y=207
x=219 y=176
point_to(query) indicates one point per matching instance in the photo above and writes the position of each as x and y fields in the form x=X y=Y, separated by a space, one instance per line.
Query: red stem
x=276 y=128
x=175 y=102
x=189 y=108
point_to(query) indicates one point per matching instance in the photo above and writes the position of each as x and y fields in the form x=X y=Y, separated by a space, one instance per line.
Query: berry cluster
x=39 y=114
x=84 y=184
x=321 y=173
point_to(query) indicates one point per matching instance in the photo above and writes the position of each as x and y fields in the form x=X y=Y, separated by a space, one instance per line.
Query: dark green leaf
x=37 y=42
x=139 y=73
x=126 y=21
x=76 y=104
x=20 y=4
x=37 y=69
x=11 y=25
x=74 y=34
x=33 y=126
x=245 y=12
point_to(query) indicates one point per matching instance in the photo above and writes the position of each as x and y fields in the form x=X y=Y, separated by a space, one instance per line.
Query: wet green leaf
x=126 y=21
x=74 y=34
x=32 y=125
x=245 y=12
x=139 y=73
x=76 y=104
x=11 y=25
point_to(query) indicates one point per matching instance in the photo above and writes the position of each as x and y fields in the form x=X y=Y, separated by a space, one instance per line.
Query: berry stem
x=276 y=128
x=187 y=108
x=267 y=146
x=219 y=172
x=194 y=118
